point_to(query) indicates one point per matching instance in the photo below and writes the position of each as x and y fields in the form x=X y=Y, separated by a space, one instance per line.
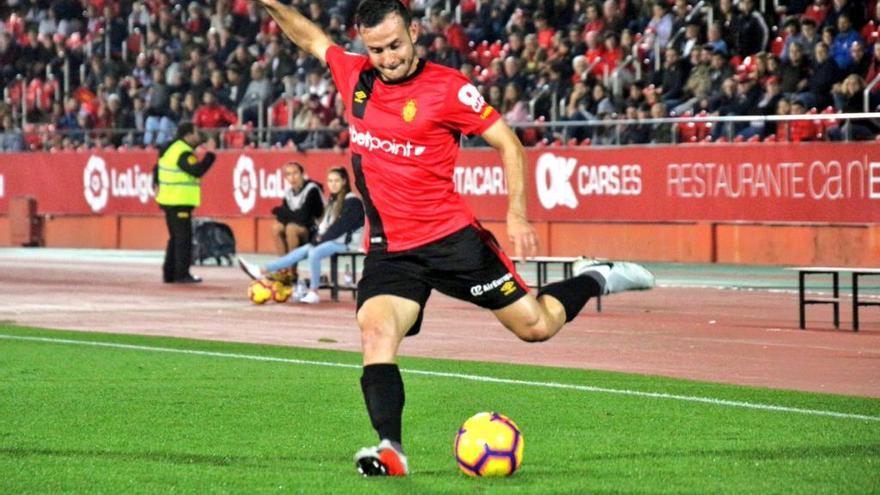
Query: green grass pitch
x=235 y=418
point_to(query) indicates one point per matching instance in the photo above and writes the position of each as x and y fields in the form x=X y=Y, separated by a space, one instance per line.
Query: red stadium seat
x=776 y=45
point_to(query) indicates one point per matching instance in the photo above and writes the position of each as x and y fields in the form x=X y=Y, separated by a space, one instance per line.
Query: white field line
x=461 y=376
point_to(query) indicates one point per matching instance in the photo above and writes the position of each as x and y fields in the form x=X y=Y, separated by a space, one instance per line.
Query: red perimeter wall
x=754 y=204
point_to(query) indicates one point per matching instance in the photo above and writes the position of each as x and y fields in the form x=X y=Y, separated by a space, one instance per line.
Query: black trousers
x=178 y=252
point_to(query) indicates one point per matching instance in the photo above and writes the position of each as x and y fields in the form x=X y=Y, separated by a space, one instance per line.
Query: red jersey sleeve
x=344 y=67
x=466 y=109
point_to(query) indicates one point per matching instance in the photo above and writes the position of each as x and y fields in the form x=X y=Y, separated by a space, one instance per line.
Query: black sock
x=574 y=293
x=383 y=393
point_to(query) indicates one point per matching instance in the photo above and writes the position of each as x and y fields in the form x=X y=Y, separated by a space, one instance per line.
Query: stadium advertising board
x=820 y=182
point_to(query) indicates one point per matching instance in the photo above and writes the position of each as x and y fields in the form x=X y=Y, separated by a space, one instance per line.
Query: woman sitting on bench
x=341 y=227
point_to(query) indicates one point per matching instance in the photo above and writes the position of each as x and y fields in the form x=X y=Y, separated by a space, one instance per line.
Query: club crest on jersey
x=409 y=111
x=360 y=96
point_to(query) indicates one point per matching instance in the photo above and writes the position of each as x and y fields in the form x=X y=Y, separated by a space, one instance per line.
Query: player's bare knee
x=532 y=331
x=374 y=329
x=536 y=333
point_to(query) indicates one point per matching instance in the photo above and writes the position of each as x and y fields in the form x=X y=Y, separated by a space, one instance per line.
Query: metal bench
x=334 y=285
x=834 y=301
x=542 y=264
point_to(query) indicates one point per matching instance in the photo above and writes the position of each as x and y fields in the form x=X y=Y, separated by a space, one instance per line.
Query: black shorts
x=467 y=265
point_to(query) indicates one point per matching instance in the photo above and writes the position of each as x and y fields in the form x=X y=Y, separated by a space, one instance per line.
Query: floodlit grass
x=96 y=419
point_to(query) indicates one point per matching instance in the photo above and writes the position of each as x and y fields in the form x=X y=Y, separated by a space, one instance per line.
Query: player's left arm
x=520 y=232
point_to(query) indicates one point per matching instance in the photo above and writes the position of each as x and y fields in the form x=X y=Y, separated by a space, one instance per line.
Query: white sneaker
x=382 y=460
x=311 y=297
x=300 y=291
x=619 y=276
x=252 y=270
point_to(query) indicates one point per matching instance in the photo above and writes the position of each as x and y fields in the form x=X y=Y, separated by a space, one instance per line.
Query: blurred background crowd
x=83 y=73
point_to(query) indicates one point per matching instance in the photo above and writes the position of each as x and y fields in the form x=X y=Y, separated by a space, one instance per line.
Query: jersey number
x=471 y=97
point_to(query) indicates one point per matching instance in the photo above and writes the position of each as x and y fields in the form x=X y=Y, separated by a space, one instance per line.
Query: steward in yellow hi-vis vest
x=178 y=174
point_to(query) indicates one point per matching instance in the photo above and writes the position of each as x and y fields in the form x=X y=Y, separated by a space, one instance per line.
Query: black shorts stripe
x=377 y=230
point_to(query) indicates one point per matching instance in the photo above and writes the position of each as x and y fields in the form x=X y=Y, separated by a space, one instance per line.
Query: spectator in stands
x=511 y=74
x=660 y=133
x=802 y=130
x=795 y=71
x=719 y=70
x=728 y=17
x=495 y=96
x=443 y=54
x=236 y=84
x=691 y=39
x=783 y=107
x=792 y=34
x=767 y=105
x=751 y=31
x=68 y=119
x=660 y=25
x=543 y=30
x=11 y=138
x=119 y=117
x=575 y=39
x=672 y=78
x=513 y=108
x=825 y=74
x=139 y=117
x=211 y=114
x=840 y=47
x=159 y=129
x=277 y=61
x=860 y=61
x=612 y=16
x=854 y=10
x=698 y=85
x=874 y=65
x=257 y=95
x=848 y=98
x=576 y=109
x=811 y=36
x=714 y=41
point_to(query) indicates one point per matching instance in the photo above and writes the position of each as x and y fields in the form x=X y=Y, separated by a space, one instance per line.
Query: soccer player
x=406 y=116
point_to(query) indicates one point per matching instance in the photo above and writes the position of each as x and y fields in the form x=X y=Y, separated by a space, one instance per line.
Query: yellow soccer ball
x=259 y=291
x=489 y=444
x=280 y=292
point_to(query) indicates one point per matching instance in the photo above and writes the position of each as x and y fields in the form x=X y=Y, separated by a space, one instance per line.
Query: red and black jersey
x=404 y=145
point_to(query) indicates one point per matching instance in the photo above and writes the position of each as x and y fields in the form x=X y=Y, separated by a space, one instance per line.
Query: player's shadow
x=752 y=453
x=164 y=457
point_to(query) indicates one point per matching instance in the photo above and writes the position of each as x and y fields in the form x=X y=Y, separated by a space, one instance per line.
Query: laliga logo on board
x=249 y=183
x=99 y=185
x=244 y=184
x=96 y=183
x=553 y=180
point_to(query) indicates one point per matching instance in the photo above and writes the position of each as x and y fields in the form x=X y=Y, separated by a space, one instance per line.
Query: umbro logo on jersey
x=360 y=96
x=367 y=140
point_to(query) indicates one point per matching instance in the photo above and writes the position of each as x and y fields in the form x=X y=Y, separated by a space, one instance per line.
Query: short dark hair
x=296 y=164
x=371 y=13
x=184 y=129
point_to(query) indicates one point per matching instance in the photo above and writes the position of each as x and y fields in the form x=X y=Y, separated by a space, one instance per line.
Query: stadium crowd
x=118 y=73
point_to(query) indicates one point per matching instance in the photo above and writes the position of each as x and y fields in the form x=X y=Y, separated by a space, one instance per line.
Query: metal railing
x=867 y=93
x=558 y=131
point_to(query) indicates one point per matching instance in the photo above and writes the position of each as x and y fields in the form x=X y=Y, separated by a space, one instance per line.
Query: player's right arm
x=303 y=32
